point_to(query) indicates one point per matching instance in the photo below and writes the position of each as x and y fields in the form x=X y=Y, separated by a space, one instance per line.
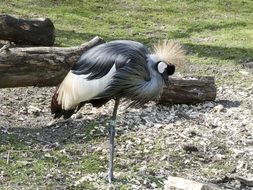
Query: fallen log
x=189 y=90
x=39 y=66
x=47 y=66
x=39 y=32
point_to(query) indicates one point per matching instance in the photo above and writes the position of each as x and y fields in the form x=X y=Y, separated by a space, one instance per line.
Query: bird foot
x=110 y=177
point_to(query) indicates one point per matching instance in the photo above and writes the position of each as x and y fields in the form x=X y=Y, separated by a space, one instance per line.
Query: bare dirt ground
x=211 y=141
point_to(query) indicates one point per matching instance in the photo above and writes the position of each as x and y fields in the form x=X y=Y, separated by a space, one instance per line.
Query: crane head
x=165 y=70
x=172 y=55
x=170 y=52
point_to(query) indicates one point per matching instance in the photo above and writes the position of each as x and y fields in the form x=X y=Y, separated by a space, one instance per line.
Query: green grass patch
x=52 y=168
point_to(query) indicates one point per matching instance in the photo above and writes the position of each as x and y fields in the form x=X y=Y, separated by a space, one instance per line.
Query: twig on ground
x=5 y=47
x=8 y=157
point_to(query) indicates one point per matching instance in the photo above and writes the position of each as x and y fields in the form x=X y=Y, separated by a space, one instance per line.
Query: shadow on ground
x=229 y=103
x=222 y=53
x=63 y=132
x=202 y=27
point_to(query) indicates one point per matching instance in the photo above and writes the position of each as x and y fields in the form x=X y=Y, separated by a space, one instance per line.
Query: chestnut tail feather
x=57 y=110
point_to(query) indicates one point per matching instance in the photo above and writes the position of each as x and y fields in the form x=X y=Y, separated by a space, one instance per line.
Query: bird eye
x=161 y=66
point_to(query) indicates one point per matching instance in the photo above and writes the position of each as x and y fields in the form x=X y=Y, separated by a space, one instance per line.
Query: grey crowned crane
x=120 y=69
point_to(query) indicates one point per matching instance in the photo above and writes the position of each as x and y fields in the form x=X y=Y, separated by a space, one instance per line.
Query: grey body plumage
x=136 y=77
x=117 y=70
x=99 y=60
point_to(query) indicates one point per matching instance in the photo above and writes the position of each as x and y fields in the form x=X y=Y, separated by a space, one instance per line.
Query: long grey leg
x=112 y=135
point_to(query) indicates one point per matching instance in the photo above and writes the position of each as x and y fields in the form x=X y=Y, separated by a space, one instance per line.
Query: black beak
x=170 y=71
x=166 y=78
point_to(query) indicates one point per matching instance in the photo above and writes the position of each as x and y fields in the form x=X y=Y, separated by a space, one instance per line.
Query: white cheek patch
x=161 y=67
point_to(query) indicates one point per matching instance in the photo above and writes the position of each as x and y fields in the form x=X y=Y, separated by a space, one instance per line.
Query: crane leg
x=112 y=135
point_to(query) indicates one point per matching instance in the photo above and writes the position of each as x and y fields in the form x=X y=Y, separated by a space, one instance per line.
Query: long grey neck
x=156 y=83
x=152 y=61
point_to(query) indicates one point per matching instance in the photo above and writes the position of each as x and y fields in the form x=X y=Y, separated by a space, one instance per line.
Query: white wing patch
x=76 y=88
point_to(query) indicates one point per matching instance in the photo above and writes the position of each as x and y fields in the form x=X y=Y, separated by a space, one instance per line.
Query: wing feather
x=77 y=88
x=98 y=61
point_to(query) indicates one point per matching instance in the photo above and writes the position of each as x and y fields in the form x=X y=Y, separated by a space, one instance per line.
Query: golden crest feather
x=170 y=51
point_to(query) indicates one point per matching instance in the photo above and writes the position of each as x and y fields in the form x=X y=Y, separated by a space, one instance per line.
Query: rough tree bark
x=189 y=90
x=39 y=66
x=39 y=32
x=47 y=66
